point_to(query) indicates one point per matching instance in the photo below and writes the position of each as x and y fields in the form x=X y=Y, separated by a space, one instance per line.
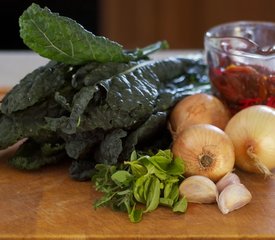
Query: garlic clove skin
x=226 y=180
x=233 y=197
x=198 y=189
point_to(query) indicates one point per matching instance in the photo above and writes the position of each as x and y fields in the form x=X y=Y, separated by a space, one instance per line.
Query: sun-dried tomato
x=243 y=86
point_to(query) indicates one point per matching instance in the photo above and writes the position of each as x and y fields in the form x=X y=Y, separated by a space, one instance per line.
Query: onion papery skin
x=253 y=129
x=205 y=140
x=199 y=108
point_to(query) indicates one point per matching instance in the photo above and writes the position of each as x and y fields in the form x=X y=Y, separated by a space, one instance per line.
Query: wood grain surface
x=47 y=204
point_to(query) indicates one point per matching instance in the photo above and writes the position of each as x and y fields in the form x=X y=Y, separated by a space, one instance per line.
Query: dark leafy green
x=102 y=122
x=96 y=101
x=42 y=155
x=37 y=85
x=62 y=39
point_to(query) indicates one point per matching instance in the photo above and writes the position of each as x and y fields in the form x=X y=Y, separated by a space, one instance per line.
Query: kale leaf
x=32 y=155
x=95 y=102
x=36 y=86
x=62 y=39
x=99 y=119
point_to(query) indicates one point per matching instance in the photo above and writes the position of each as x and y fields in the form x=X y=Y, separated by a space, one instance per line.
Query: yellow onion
x=252 y=131
x=206 y=150
x=196 y=109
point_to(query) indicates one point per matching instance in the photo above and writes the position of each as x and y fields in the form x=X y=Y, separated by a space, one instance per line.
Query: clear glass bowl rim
x=212 y=34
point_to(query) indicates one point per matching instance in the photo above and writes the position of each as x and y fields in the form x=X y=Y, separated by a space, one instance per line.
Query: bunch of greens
x=94 y=102
x=149 y=180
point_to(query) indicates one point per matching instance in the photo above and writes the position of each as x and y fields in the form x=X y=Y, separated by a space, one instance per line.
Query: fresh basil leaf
x=104 y=200
x=137 y=169
x=152 y=169
x=139 y=188
x=166 y=202
x=147 y=187
x=102 y=176
x=135 y=215
x=160 y=162
x=172 y=179
x=162 y=175
x=174 y=193
x=123 y=200
x=180 y=206
x=125 y=192
x=167 y=189
x=133 y=156
x=165 y=153
x=176 y=167
x=122 y=178
x=152 y=201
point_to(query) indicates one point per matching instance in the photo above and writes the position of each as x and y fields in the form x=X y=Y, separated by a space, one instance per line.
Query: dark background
x=83 y=11
x=137 y=23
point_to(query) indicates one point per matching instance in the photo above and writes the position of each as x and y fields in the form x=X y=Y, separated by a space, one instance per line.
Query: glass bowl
x=241 y=63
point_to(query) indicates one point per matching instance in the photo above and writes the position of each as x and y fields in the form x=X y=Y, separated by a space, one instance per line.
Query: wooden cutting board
x=47 y=204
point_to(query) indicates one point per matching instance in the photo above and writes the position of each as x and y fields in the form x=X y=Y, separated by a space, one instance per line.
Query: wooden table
x=47 y=204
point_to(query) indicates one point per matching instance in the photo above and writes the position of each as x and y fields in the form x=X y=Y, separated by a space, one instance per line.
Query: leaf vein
x=46 y=37
x=72 y=47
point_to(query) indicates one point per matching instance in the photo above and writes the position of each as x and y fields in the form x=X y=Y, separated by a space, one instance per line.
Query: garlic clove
x=226 y=180
x=233 y=197
x=198 y=189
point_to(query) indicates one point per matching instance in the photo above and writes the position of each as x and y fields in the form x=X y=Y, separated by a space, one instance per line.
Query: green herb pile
x=94 y=102
x=149 y=180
